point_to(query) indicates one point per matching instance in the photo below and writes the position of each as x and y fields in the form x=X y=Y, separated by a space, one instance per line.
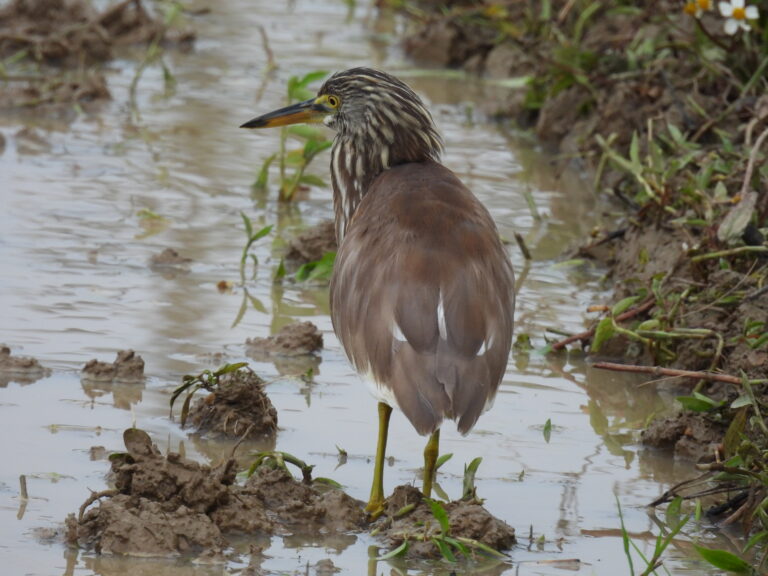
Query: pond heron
x=422 y=292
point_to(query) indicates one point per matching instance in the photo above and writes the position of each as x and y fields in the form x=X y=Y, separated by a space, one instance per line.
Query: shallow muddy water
x=75 y=284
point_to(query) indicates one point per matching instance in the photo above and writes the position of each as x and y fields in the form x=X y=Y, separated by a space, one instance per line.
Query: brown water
x=75 y=285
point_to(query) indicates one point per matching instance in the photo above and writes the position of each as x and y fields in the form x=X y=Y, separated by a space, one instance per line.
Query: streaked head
x=371 y=107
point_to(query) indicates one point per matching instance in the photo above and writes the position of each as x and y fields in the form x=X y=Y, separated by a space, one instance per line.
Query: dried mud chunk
x=312 y=244
x=297 y=339
x=169 y=259
x=238 y=406
x=127 y=367
x=21 y=369
x=467 y=519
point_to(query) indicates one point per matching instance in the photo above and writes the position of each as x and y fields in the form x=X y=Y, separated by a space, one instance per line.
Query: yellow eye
x=333 y=101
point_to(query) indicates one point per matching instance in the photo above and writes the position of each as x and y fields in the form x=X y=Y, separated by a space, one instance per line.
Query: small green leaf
x=440 y=515
x=468 y=491
x=605 y=329
x=623 y=305
x=695 y=404
x=547 y=430
x=248 y=225
x=445 y=550
x=327 y=482
x=280 y=272
x=672 y=514
x=260 y=234
x=395 y=552
x=756 y=539
x=442 y=460
x=458 y=545
x=724 y=560
x=651 y=324
x=312 y=180
x=263 y=177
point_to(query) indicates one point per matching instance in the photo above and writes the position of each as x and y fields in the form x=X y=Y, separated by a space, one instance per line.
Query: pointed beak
x=313 y=110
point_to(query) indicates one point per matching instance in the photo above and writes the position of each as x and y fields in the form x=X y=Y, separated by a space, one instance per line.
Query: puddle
x=78 y=283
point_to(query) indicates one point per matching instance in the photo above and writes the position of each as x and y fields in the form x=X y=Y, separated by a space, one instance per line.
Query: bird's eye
x=333 y=101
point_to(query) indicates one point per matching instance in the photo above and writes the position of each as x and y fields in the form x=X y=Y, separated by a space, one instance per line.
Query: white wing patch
x=441 y=318
x=486 y=345
x=381 y=392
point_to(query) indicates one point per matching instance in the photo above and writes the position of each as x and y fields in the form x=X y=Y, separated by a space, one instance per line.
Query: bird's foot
x=374 y=509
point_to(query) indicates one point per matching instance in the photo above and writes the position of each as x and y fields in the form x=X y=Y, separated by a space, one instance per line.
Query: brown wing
x=422 y=296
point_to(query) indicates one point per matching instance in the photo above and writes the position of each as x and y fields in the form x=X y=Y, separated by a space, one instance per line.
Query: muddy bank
x=54 y=46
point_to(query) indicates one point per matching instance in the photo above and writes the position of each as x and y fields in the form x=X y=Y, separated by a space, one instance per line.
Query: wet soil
x=62 y=35
x=237 y=407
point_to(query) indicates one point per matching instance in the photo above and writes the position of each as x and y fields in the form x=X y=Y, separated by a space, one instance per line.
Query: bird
x=422 y=292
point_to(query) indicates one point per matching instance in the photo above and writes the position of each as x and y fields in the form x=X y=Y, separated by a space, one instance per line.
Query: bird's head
x=369 y=108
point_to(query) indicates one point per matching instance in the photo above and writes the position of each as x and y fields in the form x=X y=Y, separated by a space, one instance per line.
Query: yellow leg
x=375 y=505
x=431 y=450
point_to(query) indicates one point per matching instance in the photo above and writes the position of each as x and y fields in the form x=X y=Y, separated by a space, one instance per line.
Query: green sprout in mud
x=294 y=163
x=440 y=534
x=274 y=459
x=251 y=238
x=206 y=380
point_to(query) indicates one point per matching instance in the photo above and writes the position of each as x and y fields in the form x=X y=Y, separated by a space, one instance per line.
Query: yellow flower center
x=739 y=14
x=690 y=8
x=704 y=5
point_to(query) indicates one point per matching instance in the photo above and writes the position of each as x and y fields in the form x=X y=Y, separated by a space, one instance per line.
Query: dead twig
x=660 y=371
x=93 y=498
x=587 y=334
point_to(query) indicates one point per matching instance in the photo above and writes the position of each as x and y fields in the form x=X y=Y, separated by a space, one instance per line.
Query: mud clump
x=292 y=350
x=127 y=367
x=167 y=506
x=297 y=339
x=301 y=507
x=312 y=244
x=237 y=406
x=169 y=262
x=468 y=519
x=691 y=435
x=21 y=369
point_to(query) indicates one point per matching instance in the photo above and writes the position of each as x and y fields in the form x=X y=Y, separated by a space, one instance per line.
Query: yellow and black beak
x=313 y=110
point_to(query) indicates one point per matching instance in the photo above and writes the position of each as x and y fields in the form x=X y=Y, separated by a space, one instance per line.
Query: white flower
x=737 y=15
